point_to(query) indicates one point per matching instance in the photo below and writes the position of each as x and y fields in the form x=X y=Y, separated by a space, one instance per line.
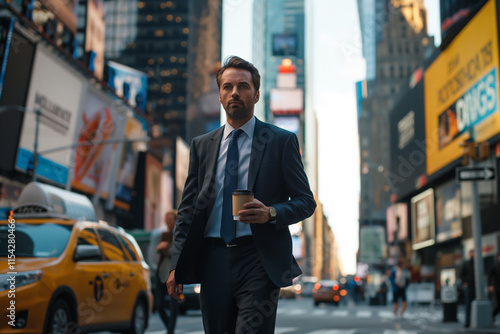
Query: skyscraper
x=285 y=38
x=403 y=47
x=166 y=39
x=373 y=15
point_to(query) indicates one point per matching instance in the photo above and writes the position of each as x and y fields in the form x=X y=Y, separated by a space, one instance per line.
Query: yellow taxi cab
x=63 y=272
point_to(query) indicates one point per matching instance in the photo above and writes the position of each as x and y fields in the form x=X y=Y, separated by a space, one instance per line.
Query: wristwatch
x=272 y=213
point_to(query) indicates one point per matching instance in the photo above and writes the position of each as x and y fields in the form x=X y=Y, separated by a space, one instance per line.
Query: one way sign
x=475 y=174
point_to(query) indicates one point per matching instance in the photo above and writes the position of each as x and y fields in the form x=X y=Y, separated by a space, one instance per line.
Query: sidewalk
x=436 y=312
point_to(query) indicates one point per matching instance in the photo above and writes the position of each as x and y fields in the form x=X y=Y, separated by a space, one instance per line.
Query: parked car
x=190 y=298
x=328 y=291
x=72 y=273
x=307 y=285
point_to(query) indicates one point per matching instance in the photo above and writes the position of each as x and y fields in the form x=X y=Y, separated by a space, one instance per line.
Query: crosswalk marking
x=319 y=312
x=333 y=331
x=364 y=314
x=386 y=314
x=297 y=311
x=283 y=330
x=340 y=313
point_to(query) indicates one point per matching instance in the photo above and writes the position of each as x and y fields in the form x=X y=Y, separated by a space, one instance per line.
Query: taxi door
x=118 y=285
x=91 y=277
x=137 y=275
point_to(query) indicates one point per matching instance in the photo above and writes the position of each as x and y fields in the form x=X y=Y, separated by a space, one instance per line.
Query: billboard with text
x=56 y=90
x=461 y=91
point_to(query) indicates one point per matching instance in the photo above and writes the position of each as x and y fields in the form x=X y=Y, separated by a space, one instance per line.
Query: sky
x=338 y=65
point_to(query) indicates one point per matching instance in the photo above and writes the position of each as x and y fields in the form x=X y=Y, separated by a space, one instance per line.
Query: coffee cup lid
x=242 y=192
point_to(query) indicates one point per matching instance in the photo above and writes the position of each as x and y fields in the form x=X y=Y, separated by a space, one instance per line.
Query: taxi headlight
x=12 y=281
x=197 y=289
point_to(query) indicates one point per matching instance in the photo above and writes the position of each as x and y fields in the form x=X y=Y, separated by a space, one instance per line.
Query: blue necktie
x=228 y=225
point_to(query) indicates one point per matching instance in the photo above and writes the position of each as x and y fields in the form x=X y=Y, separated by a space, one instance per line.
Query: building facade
x=403 y=47
x=177 y=43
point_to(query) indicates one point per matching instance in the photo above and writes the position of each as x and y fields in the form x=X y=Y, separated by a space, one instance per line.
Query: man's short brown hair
x=237 y=62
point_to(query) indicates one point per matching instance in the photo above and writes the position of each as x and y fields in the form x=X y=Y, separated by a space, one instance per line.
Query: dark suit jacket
x=277 y=178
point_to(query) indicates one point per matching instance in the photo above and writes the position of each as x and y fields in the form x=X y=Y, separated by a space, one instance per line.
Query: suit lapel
x=260 y=139
x=212 y=156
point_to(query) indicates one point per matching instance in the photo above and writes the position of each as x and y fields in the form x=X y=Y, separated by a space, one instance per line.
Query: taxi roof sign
x=43 y=200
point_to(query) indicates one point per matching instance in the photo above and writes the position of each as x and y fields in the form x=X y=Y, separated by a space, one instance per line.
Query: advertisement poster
x=153 y=194
x=59 y=104
x=289 y=101
x=290 y=123
x=461 y=91
x=128 y=83
x=448 y=221
x=422 y=219
x=94 y=159
x=128 y=162
x=397 y=222
x=373 y=248
x=407 y=171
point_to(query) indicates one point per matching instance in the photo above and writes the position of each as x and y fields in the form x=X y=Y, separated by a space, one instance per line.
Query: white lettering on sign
x=477 y=103
x=406 y=129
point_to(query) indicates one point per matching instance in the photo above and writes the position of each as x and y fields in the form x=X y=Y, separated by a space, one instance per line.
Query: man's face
x=237 y=94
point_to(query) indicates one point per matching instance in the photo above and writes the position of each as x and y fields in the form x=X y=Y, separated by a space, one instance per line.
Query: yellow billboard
x=461 y=91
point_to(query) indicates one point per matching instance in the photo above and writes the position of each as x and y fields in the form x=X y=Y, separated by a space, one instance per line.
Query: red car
x=328 y=291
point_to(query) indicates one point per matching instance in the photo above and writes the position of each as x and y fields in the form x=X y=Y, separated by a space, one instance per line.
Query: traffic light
x=475 y=151
x=469 y=151
x=484 y=151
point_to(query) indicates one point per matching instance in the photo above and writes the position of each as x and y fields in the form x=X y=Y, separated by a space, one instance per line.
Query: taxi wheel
x=60 y=317
x=139 y=318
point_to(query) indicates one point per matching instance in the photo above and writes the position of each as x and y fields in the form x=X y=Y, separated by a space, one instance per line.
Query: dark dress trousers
x=277 y=178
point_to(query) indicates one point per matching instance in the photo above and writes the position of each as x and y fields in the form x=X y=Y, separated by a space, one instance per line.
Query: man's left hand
x=255 y=212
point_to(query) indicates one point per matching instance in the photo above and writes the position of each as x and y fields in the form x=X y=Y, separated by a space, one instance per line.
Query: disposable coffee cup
x=240 y=197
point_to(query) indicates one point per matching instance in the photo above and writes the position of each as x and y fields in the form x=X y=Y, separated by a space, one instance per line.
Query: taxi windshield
x=35 y=240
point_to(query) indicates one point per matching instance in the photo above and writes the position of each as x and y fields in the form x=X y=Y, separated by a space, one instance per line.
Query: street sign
x=475 y=174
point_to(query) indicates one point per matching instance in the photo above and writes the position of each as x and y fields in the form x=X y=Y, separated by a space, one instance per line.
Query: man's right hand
x=174 y=289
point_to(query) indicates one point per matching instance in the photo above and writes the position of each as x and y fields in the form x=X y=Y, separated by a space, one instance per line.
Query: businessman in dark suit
x=241 y=265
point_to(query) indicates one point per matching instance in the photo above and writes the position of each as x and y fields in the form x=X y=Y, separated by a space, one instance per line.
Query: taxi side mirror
x=87 y=253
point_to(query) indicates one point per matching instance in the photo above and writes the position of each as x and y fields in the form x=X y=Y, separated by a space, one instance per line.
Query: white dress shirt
x=212 y=229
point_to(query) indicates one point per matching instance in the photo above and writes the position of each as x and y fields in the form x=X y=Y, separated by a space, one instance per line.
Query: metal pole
x=35 y=145
x=481 y=313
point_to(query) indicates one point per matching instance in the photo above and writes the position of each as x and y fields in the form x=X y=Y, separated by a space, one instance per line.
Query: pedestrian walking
x=166 y=306
x=241 y=264
x=469 y=286
x=494 y=285
x=399 y=278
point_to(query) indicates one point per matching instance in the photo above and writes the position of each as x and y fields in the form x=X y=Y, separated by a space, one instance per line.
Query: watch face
x=272 y=212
